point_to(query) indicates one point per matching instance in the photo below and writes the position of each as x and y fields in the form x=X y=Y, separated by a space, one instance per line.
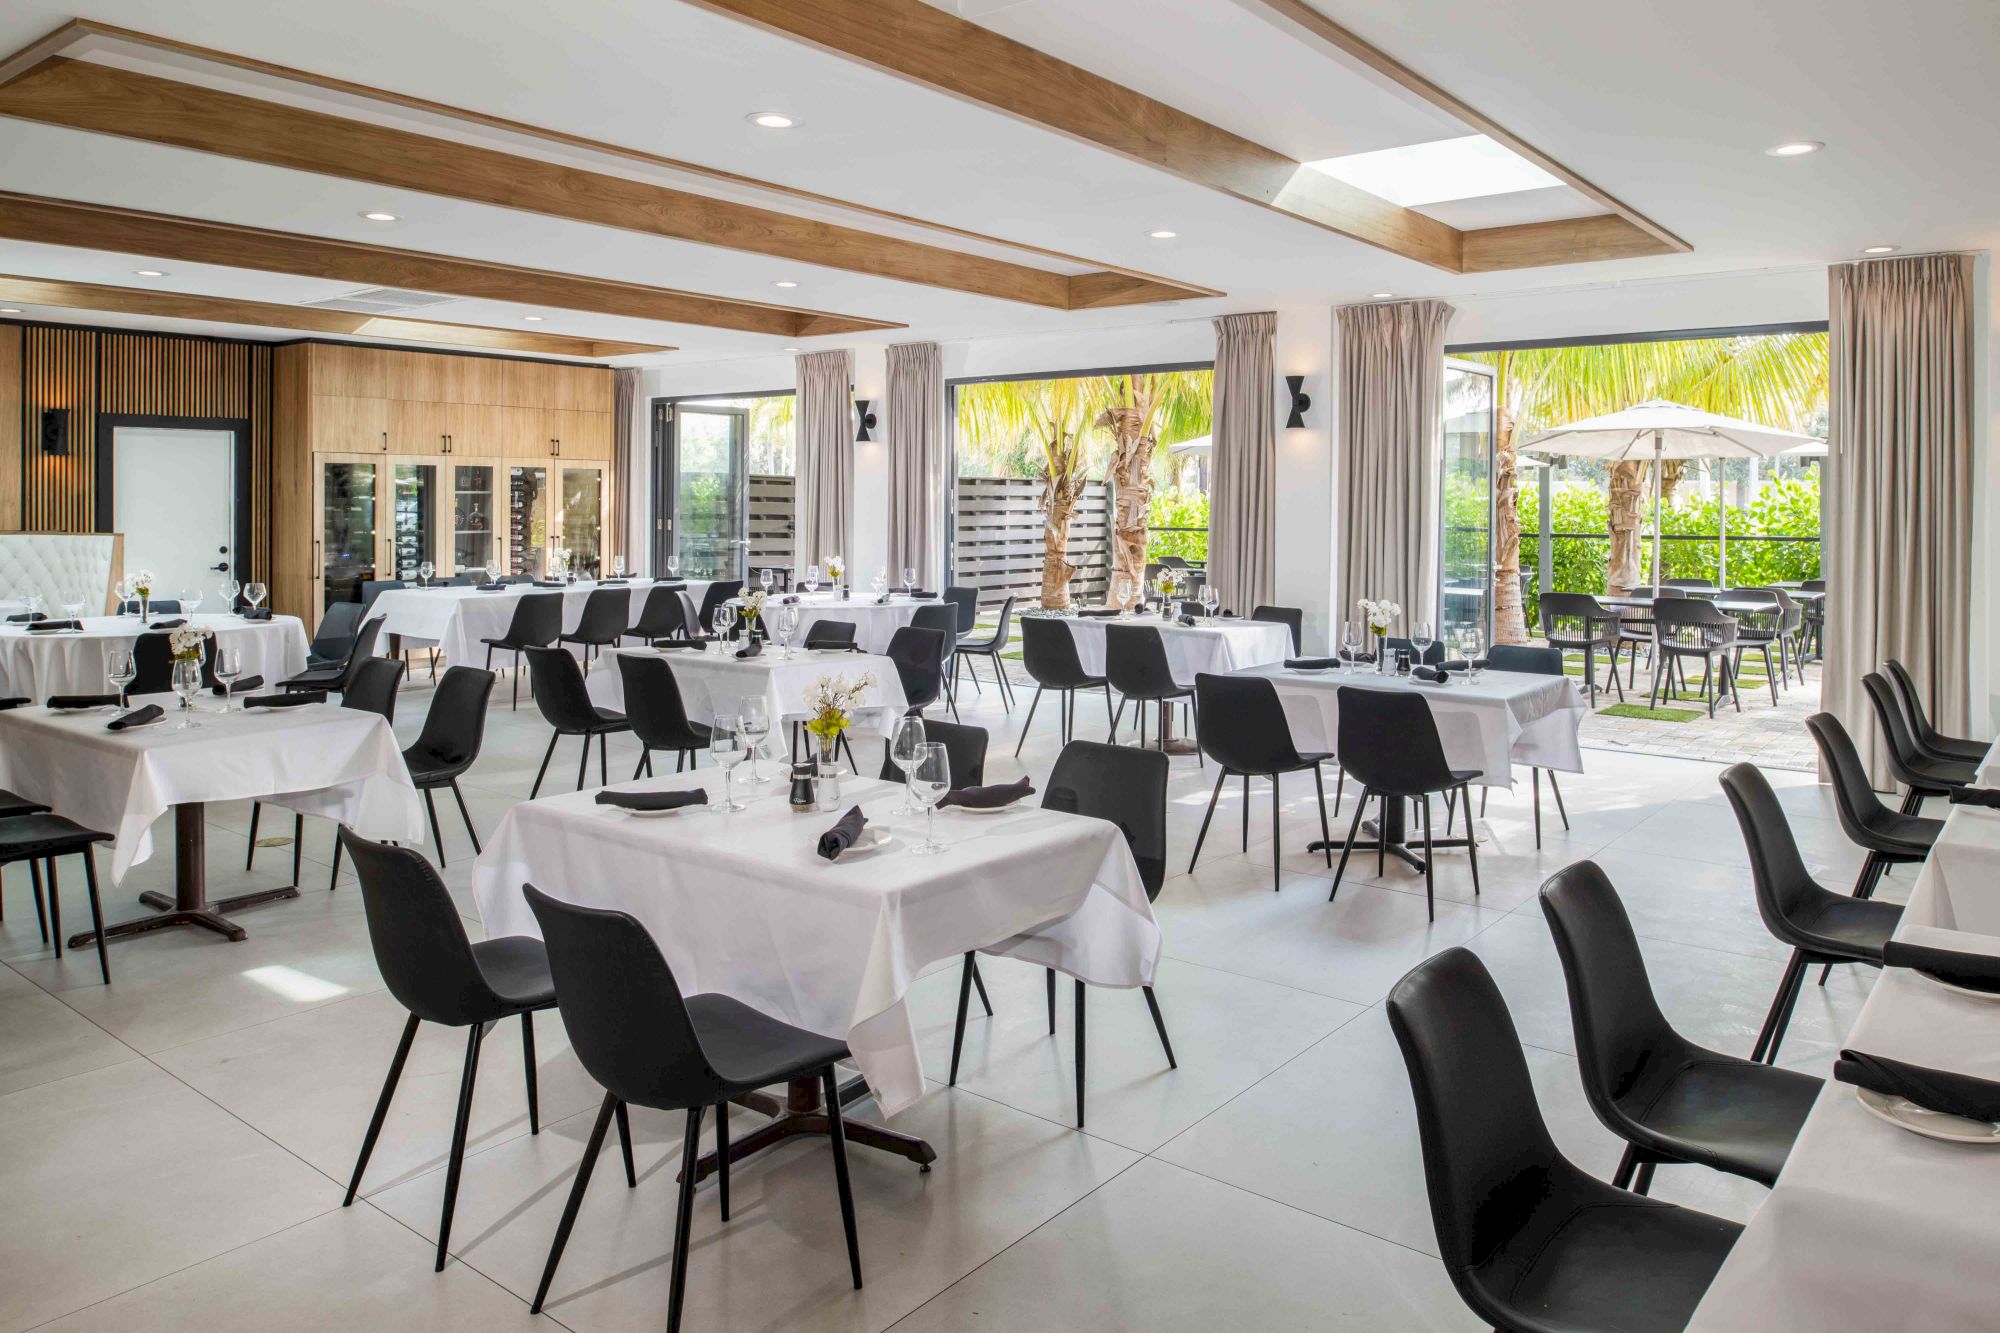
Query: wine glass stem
x=930 y=826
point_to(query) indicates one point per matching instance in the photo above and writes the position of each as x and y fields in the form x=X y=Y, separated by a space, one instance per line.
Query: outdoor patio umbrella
x=1659 y=430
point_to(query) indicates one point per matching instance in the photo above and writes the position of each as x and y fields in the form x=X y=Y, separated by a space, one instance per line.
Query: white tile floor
x=173 y=1147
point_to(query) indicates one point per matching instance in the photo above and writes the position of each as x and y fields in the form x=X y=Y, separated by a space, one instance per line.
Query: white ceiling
x=1668 y=106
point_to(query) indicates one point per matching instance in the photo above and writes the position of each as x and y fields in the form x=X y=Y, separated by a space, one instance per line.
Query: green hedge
x=1177 y=509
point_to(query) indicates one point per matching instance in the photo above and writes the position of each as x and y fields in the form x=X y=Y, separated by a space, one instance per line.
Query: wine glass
x=1420 y=639
x=725 y=621
x=755 y=720
x=74 y=612
x=787 y=624
x=1350 y=644
x=121 y=668
x=231 y=591
x=765 y=579
x=910 y=580
x=811 y=579
x=123 y=591
x=228 y=666
x=930 y=779
x=254 y=594
x=1121 y=592
x=673 y=567
x=1210 y=599
x=725 y=746
x=187 y=684
x=879 y=584
x=424 y=572
x=35 y=605
x=904 y=746
x=617 y=566
x=190 y=602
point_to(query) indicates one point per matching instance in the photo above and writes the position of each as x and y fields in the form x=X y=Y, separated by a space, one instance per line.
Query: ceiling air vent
x=380 y=301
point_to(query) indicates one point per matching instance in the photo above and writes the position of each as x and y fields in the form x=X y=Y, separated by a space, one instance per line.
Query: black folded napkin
x=1430 y=674
x=51 y=626
x=1479 y=664
x=1454 y=664
x=18 y=701
x=652 y=800
x=789 y=599
x=1974 y=971
x=1229 y=615
x=1310 y=663
x=138 y=717
x=27 y=617
x=1932 y=1089
x=1185 y=619
x=922 y=594
x=843 y=834
x=612 y=583
x=1094 y=612
x=256 y=613
x=754 y=648
x=292 y=700
x=81 y=700
x=883 y=600
x=490 y=587
x=175 y=623
x=1985 y=796
x=549 y=583
x=988 y=798
x=236 y=687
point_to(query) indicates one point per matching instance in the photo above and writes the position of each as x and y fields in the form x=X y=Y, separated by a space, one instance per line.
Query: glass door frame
x=553 y=498
x=1491 y=599
x=320 y=463
x=666 y=473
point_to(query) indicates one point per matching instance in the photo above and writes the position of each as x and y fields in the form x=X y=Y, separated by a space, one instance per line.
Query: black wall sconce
x=55 y=431
x=866 y=420
x=1296 y=386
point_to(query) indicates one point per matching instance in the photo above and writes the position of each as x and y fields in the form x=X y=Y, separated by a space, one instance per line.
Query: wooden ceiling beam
x=196 y=241
x=1566 y=241
x=17 y=290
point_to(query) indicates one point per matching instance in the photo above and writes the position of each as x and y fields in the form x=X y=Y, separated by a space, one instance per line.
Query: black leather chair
x=1292 y=617
x=1388 y=740
x=657 y=714
x=1123 y=786
x=1532 y=1243
x=1048 y=652
x=966 y=601
x=602 y=623
x=157 y=606
x=454 y=730
x=1577 y=622
x=1889 y=838
x=373 y=588
x=1821 y=926
x=831 y=636
x=1693 y=628
x=372 y=689
x=28 y=832
x=1930 y=741
x=661 y=617
x=1240 y=724
x=1431 y=656
x=964 y=748
x=920 y=655
x=536 y=622
x=153 y=663
x=649 y=1045
x=565 y=703
x=441 y=976
x=339 y=678
x=1135 y=662
x=333 y=641
x=1529 y=662
x=1916 y=770
x=11 y=805
x=720 y=591
x=990 y=647
x=1671 y=1101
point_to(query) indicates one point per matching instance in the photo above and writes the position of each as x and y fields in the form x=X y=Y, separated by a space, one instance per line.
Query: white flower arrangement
x=1169 y=583
x=186 y=643
x=833 y=700
x=753 y=603
x=836 y=567
x=1379 y=616
x=142 y=583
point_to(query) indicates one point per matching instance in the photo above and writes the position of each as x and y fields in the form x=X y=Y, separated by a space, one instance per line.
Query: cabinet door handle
x=385 y=441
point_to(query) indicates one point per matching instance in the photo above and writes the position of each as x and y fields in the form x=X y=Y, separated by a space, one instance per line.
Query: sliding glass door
x=1465 y=570
x=705 y=486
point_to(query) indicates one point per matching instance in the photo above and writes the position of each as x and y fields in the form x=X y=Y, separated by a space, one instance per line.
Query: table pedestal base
x=1392 y=836
x=802 y=1111
x=190 y=905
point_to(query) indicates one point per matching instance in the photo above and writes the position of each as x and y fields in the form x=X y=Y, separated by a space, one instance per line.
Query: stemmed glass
x=879 y=585
x=811 y=579
x=1420 y=639
x=910 y=580
x=930 y=779
x=673 y=567
x=123 y=589
x=35 y=605
x=187 y=684
x=121 y=669
x=725 y=621
x=231 y=591
x=253 y=593
x=1209 y=598
x=755 y=720
x=424 y=572
x=617 y=566
x=725 y=746
x=190 y=602
x=765 y=579
x=74 y=611
x=1350 y=644
x=904 y=746
x=787 y=624
x=228 y=666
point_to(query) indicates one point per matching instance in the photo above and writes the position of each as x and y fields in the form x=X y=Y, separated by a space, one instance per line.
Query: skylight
x=1433 y=173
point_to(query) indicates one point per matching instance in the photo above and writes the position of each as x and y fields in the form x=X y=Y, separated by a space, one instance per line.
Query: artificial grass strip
x=1645 y=714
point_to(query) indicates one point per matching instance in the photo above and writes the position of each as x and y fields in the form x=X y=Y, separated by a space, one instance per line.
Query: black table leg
x=190 y=905
x=1392 y=836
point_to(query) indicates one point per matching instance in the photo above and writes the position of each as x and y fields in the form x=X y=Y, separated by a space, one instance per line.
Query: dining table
x=875 y=618
x=741 y=904
x=1873 y=1224
x=714 y=681
x=38 y=664
x=456 y=619
x=1212 y=645
x=316 y=758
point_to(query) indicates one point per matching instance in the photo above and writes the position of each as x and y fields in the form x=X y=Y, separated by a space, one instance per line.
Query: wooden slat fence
x=771 y=520
x=999 y=542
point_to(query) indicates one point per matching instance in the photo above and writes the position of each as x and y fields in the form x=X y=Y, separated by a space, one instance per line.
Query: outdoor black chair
x=1048 y=653
x=831 y=636
x=565 y=703
x=1635 y=631
x=333 y=641
x=1692 y=628
x=1930 y=741
x=1815 y=617
x=661 y=617
x=454 y=730
x=1690 y=585
x=649 y=1045
x=1240 y=724
x=1530 y=662
x=1532 y=1243
x=536 y=622
x=441 y=976
x=1135 y=662
x=657 y=714
x=1578 y=622
x=1791 y=636
x=1389 y=741
x=1760 y=631
x=718 y=592
x=28 y=832
x=991 y=647
x=920 y=655
x=1923 y=774
x=1819 y=925
x=602 y=623
x=1122 y=786
x=1671 y=1101
x=1291 y=617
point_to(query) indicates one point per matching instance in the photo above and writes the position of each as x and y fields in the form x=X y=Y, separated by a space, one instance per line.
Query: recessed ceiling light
x=149 y=272
x=532 y=319
x=1881 y=249
x=1794 y=148
x=784 y=282
x=788 y=349
x=10 y=310
x=1380 y=296
x=1163 y=234
x=770 y=120
x=378 y=215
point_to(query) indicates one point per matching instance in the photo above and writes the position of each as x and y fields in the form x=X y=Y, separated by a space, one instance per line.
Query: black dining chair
x=658 y=714
x=454 y=730
x=1532 y=1243
x=1922 y=774
x=1527 y=661
x=1577 y=622
x=1813 y=638
x=1760 y=631
x=602 y=623
x=661 y=617
x=372 y=689
x=920 y=655
x=964 y=748
x=373 y=588
x=1135 y=662
x=1635 y=631
x=155 y=606
x=1240 y=724
x=333 y=641
x=1889 y=837
x=831 y=636
x=1821 y=926
x=649 y=1045
x=1690 y=628
x=1791 y=635
x=1048 y=653
x=718 y=592
x=565 y=704
x=1671 y=1101
x=965 y=601
x=11 y=805
x=339 y=678
x=1291 y=617
x=1389 y=741
x=442 y=976
x=536 y=622
x=1690 y=585
x=28 y=832
x=1930 y=741
x=990 y=647
x=691 y=626
x=1122 y=786
x=152 y=663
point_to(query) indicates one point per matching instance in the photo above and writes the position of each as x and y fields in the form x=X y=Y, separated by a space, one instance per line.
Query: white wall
x=1650 y=305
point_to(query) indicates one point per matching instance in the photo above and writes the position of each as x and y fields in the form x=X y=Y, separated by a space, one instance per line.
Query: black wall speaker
x=55 y=430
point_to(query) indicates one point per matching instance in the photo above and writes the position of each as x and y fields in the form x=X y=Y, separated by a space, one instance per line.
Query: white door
x=174 y=497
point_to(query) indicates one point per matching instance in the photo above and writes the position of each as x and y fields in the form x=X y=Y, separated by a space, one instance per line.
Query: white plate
x=658 y=814
x=1961 y=990
x=871 y=841
x=986 y=810
x=139 y=726
x=1931 y=1124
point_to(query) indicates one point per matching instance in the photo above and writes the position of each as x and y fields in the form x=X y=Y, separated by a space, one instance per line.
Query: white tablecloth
x=1503 y=718
x=456 y=619
x=740 y=904
x=874 y=622
x=318 y=759
x=712 y=685
x=39 y=665
x=1216 y=647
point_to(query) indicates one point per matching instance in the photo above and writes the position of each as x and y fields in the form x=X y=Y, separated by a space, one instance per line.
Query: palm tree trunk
x=1059 y=500
x=1131 y=475
x=1509 y=613
x=1628 y=504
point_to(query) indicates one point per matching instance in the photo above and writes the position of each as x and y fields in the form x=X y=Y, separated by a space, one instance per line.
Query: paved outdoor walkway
x=1770 y=737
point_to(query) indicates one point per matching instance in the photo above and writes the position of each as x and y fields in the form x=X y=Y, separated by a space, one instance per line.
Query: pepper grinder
x=805 y=794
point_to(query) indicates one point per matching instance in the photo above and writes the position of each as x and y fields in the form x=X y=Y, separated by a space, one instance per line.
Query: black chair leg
x=1202 y=837
x=41 y=902
x=1160 y=1026
x=542 y=772
x=1052 y=1000
x=455 y=1166
x=1246 y=812
x=528 y=1068
x=1079 y=1054
x=604 y=759
x=96 y=911
x=466 y=815
x=250 y=855
x=836 y=1134
x=1627 y=1164
x=1277 y=847
x=1339 y=790
x=684 y=1218
x=591 y=1148
x=299 y=846
x=1347 y=848
x=722 y=1156
x=1535 y=775
x=1644 y=1180
x=583 y=763
x=1117 y=716
x=1471 y=838
x=431 y=809
x=1325 y=834
x=979 y=984
x=1430 y=865
x=958 y=1027
x=1781 y=1012
x=333 y=876
x=55 y=906
x=381 y=1109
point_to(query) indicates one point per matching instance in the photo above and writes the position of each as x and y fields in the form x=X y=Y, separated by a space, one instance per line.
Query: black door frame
x=665 y=464
x=105 y=486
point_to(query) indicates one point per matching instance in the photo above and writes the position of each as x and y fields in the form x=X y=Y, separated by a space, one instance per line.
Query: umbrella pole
x=1722 y=512
x=1656 y=515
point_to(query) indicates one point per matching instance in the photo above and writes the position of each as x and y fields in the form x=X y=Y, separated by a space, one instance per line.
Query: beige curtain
x=1897 y=505
x=919 y=466
x=1391 y=449
x=624 y=398
x=825 y=455
x=1243 y=482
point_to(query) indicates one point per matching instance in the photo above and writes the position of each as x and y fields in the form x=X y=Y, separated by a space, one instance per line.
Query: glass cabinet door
x=472 y=534
x=581 y=520
x=527 y=520
x=414 y=536
x=348 y=528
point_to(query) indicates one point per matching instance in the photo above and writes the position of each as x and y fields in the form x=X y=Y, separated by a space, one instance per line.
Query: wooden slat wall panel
x=60 y=371
x=259 y=378
x=999 y=539
x=12 y=416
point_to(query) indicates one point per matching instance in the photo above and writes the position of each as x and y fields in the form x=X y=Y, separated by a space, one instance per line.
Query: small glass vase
x=829 y=751
x=145 y=606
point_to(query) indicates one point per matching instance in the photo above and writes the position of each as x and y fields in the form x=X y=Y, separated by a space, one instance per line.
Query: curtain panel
x=624 y=398
x=919 y=466
x=1243 y=483
x=825 y=456
x=1391 y=452
x=1897 y=488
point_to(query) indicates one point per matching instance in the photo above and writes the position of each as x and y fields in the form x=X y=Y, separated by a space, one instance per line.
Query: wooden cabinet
x=474 y=430
x=349 y=425
x=417 y=377
x=582 y=435
x=342 y=370
x=416 y=427
x=528 y=384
